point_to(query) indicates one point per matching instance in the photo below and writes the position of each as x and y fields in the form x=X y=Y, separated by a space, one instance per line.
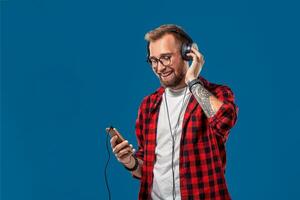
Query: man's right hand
x=123 y=151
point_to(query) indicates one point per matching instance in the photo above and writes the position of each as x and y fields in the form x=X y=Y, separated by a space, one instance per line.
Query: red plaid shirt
x=202 y=145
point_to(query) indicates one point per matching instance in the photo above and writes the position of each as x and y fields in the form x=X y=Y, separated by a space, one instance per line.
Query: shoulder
x=151 y=99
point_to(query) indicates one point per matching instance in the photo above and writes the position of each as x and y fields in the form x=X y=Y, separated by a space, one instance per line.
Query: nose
x=160 y=67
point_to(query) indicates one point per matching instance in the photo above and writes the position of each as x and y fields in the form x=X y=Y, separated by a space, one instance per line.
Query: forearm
x=208 y=102
x=138 y=172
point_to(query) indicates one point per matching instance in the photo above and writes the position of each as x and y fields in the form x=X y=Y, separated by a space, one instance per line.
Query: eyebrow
x=163 y=54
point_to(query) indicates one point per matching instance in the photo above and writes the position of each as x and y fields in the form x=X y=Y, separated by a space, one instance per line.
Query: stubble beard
x=175 y=81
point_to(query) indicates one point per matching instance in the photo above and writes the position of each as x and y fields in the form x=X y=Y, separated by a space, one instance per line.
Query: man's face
x=171 y=75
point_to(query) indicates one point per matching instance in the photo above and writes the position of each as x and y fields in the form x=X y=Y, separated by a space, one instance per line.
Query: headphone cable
x=105 y=169
x=173 y=139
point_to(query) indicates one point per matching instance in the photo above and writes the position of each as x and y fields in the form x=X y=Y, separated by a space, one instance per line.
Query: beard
x=174 y=79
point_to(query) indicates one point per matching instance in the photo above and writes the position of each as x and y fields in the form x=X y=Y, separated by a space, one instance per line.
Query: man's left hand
x=196 y=66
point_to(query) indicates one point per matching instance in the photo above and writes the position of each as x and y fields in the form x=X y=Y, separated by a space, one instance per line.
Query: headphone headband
x=182 y=34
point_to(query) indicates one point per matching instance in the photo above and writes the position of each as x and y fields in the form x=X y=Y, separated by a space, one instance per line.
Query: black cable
x=105 y=169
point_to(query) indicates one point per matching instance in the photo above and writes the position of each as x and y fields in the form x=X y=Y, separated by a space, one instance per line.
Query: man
x=182 y=127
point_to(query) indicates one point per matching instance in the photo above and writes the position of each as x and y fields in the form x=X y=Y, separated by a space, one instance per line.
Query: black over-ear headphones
x=185 y=47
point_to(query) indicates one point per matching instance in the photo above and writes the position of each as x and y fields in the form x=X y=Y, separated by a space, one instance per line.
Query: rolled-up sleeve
x=226 y=116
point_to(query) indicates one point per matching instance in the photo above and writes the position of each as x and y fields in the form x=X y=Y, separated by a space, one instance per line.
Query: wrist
x=192 y=83
x=129 y=162
x=189 y=79
x=133 y=164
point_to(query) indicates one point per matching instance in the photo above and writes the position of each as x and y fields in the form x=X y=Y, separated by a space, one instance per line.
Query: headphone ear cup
x=185 y=49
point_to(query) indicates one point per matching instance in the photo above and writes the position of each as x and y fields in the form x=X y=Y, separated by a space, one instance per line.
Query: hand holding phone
x=121 y=148
x=112 y=132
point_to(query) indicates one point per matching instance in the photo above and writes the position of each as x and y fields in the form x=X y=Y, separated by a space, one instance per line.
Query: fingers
x=196 y=65
x=195 y=50
x=113 y=141
x=194 y=56
x=196 y=59
x=195 y=46
x=121 y=146
x=121 y=150
x=124 y=152
x=197 y=56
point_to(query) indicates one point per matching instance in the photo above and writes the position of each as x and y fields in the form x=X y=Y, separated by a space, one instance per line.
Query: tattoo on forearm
x=202 y=96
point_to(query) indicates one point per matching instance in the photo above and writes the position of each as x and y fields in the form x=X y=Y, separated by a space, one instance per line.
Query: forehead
x=165 y=44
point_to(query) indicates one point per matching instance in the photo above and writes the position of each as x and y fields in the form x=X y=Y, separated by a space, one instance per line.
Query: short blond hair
x=164 y=29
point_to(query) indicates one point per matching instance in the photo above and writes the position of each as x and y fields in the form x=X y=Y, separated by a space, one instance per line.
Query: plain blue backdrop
x=71 y=68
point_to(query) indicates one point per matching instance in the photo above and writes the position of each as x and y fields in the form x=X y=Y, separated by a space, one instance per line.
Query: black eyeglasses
x=165 y=60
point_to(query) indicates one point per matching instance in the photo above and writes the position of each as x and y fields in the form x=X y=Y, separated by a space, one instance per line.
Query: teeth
x=165 y=75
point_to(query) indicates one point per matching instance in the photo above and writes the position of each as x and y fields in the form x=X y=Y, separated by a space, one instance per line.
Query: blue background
x=71 y=68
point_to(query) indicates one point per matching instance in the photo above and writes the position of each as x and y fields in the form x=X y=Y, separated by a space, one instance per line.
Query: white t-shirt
x=163 y=178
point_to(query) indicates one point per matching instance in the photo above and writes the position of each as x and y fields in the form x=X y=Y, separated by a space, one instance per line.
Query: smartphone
x=112 y=132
